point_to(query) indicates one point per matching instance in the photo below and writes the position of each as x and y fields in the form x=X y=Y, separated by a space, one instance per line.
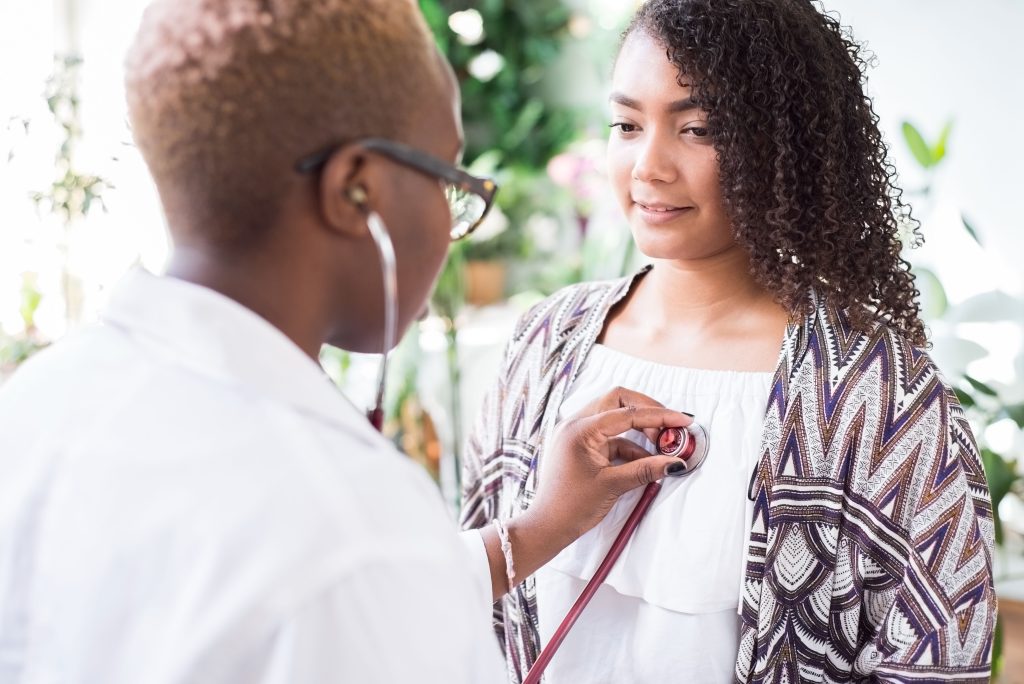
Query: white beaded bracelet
x=506 y=549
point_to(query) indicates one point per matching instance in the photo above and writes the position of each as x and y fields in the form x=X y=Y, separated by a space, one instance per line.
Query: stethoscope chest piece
x=689 y=444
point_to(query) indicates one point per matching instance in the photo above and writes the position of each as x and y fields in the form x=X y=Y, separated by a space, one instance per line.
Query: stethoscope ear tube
x=389 y=273
x=690 y=445
x=646 y=499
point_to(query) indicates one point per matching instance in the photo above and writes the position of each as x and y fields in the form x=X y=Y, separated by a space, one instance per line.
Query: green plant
x=448 y=299
x=16 y=349
x=500 y=51
x=504 y=109
x=71 y=196
x=407 y=421
x=336 y=363
x=981 y=401
x=72 y=193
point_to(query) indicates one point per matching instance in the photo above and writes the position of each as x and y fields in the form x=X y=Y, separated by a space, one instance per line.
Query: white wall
x=941 y=60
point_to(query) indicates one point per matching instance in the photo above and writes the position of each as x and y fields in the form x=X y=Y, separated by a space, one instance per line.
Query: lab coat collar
x=209 y=333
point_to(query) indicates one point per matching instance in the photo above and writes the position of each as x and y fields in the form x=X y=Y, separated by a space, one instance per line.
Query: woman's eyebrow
x=677 y=106
x=684 y=105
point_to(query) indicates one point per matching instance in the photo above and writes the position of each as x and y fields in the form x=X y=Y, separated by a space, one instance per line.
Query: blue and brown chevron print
x=871 y=548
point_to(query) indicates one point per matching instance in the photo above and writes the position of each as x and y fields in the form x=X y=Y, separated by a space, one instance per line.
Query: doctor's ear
x=344 y=191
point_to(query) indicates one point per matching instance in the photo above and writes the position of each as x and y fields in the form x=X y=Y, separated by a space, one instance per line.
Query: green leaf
x=1001 y=476
x=920 y=149
x=999 y=473
x=970 y=229
x=981 y=387
x=965 y=399
x=525 y=123
x=30 y=300
x=997 y=648
x=450 y=292
x=939 y=149
x=934 y=302
x=1016 y=413
x=487 y=163
x=437 y=19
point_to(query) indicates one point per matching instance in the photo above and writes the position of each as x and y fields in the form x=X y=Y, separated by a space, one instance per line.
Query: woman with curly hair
x=840 y=529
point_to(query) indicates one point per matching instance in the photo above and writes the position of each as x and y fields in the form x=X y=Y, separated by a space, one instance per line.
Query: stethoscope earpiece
x=357 y=195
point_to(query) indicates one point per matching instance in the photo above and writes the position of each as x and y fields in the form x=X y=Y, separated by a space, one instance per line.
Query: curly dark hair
x=803 y=168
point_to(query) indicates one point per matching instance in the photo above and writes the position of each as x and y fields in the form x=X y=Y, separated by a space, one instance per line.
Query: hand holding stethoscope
x=686 y=446
x=577 y=481
x=580 y=480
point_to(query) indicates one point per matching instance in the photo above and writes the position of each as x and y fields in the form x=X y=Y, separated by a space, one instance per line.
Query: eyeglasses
x=469 y=197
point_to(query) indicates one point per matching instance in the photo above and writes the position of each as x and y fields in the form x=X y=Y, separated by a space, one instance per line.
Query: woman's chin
x=676 y=247
x=675 y=251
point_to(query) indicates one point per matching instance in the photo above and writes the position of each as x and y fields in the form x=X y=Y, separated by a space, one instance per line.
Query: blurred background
x=77 y=208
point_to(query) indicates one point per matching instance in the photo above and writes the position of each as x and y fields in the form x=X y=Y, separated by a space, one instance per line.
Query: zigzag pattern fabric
x=870 y=554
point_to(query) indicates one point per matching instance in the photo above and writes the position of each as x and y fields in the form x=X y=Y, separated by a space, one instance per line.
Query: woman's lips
x=659 y=214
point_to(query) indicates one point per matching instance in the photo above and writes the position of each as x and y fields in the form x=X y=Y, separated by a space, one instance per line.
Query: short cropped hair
x=224 y=96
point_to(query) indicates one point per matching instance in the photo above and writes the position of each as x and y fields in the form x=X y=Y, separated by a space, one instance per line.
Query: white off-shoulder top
x=668 y=611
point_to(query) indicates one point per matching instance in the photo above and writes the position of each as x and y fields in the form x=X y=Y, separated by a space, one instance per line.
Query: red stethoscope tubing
x=646 y=499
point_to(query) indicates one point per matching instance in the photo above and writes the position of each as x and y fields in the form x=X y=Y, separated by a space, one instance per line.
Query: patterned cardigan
x=871 y=548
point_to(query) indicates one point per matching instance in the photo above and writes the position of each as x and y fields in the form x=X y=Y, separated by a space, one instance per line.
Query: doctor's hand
x=578 y=482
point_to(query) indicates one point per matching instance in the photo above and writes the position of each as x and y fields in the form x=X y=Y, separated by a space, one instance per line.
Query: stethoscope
x=389 y=272
x=690 y=445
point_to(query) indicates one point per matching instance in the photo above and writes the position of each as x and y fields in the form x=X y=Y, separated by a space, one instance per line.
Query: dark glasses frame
x=485 y=188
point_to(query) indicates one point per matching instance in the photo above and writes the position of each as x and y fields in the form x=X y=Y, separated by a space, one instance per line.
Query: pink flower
x=566 y=168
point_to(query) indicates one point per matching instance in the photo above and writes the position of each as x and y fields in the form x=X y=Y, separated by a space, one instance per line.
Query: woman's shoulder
x=569 y=310
x=841 y=321
x=852 y=346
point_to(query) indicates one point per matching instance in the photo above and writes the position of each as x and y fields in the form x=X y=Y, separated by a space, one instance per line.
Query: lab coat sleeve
x=379 y=626
x=479 y=566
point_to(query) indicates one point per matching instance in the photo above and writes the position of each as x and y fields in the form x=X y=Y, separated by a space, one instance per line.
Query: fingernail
x=675 y=469
x=688 y=415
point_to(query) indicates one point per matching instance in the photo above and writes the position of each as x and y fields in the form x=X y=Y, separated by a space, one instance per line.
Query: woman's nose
x=654 y=163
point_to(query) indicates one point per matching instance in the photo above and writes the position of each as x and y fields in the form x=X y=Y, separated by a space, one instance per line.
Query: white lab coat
x=185 y=497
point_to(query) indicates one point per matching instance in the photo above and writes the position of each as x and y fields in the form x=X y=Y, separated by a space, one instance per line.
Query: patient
x=841 y=527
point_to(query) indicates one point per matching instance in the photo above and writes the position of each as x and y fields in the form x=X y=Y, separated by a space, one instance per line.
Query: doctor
x=184 y=497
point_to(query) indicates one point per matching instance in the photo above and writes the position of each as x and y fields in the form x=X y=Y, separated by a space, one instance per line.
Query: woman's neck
x=708 y=313
x=700 y=292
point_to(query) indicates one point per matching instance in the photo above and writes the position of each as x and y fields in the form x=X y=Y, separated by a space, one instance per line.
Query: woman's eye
x=697 y=131
x=624 y=127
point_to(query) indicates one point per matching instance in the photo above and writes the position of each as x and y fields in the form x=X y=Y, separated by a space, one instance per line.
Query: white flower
x=468 y=25
x=486 y=65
